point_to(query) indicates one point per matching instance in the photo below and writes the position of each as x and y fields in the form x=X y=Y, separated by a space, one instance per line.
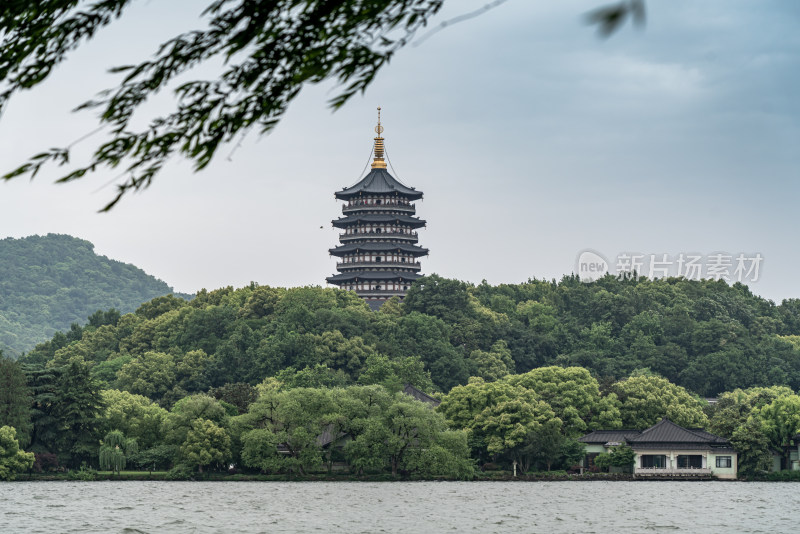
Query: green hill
x=706 y=336
x=49 y=282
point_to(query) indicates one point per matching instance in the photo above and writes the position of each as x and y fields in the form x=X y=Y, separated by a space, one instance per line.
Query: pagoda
x=378 y=254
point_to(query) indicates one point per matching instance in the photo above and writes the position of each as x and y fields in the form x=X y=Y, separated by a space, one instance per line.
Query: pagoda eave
x=372 y=275
x=379 y=247
x=353 y=220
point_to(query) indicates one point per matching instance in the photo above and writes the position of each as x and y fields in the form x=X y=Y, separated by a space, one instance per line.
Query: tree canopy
x=268 y=51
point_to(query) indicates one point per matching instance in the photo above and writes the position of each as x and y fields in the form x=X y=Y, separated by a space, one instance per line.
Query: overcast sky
x=532 y=139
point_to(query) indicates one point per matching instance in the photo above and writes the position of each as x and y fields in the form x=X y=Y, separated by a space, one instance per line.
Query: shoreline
x=220 y=477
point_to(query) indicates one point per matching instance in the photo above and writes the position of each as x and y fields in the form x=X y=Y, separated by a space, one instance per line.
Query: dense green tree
x=115 y=449
x=186 y=411
x=733 y=408
x=16 y=400
x=13 y=460
x=446 y=455
x=66 y=412
x=491 y=365
x=158 y=457
x=394 y=373
x=319 y=376
x=238 y=394
x=104 y=318
x=77 y=406
x=205 y=444
x=780 y=422
x=291 y=420
x=752 y=448
x=152 y=374
x=409 y=437
x=620 y=456
x=543 y=445
x=260 y=450
x=137 y=417
x=575 y=397
x=508 y=427
x=464 y=403
x=647 y=399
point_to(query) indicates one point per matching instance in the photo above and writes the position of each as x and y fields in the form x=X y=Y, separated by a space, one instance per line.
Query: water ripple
x=507 y=507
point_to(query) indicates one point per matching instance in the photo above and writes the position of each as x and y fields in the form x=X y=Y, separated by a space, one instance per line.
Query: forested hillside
x=49 y=282
x=266 y=378
x=706 y=336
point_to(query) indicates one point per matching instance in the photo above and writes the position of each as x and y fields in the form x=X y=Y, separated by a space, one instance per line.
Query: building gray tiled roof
x=420 y=395
x=379 y=182
x=665 y=431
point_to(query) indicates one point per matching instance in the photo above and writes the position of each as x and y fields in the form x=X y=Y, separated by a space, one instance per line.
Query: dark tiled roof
x=379 y=182
x=665 y=431
x=420 y=395
x=708 y=435
x=412 y=222
x=373 y=275
x=328 y=436
x=605 y=436
x=379 y=246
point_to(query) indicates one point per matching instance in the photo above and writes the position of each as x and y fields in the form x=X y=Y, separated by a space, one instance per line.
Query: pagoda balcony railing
x=386 y=206
x=412 y=236
x=411 y=265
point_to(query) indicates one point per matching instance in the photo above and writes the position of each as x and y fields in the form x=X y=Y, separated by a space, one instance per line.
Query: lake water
x=547 y=507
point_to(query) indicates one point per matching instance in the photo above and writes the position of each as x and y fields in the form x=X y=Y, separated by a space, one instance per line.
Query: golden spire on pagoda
x=378 y=162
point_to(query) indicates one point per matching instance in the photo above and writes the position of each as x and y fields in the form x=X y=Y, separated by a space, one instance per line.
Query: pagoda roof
x=373 y=275
x=343 y=222
x=378 y=182
x=379 y=246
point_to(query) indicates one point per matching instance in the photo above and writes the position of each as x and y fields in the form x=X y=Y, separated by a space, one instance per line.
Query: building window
x=724 y=461
x=657 y=461
x=690 y=461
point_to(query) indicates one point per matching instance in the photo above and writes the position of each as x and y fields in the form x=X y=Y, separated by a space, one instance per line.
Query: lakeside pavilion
x=378 y=252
